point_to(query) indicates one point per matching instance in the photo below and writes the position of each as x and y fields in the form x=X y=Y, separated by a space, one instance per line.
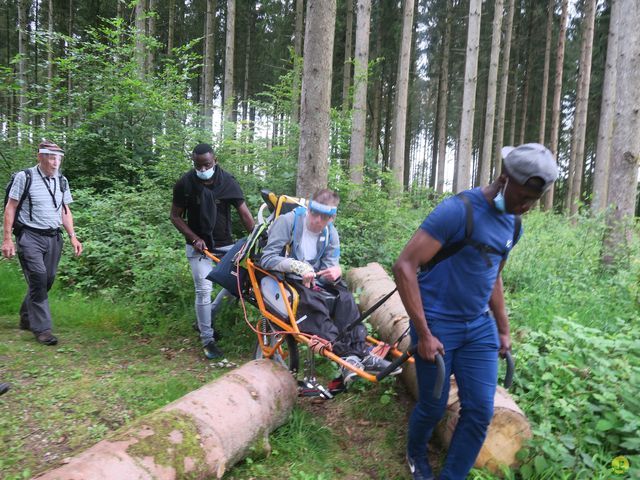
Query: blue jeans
x=205 y=310
x=471 y=354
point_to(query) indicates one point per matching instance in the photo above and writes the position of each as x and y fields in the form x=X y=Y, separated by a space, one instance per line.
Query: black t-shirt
x=209 y=204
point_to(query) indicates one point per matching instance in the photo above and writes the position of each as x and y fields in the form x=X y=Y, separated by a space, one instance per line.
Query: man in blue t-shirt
x=456 y=303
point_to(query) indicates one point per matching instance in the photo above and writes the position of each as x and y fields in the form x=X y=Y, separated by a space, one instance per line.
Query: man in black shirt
x=204 y=196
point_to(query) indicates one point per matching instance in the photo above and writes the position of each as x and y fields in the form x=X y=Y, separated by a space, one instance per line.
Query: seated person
x=305 y=242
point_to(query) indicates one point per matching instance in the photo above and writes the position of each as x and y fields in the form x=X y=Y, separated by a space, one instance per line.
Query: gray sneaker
x=374 y=365
x=349 y=376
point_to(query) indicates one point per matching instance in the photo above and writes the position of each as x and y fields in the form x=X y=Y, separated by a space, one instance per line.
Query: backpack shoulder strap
x=451 y=249
x=516 y=230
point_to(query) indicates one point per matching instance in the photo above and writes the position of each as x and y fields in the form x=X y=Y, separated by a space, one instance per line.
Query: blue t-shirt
x=459 y=287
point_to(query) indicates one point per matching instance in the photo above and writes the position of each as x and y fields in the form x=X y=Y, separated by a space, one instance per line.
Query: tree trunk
x=402 y=87
x=463 y=177
x=547 y=199
x=504 y=84
x=443 y=101
x=489 y=119
x=194 y=436
x=348 y=47
x=297 y=60
x=140 y=32
x=527 y=77
x=582 y=104
x=625 y=146
x=151 y=33
x=605 y=129
x=228 y=96
x=377 y=93
x=358 y=127
x=408 y=136
x=172 y=27
x=22 y=67
x=545 y=72
x=70 y=20
x=49 y=63
x=313 y=158
x=208 y=64
x=509 y=429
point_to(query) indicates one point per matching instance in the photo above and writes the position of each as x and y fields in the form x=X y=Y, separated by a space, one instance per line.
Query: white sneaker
x=348 y=376
x=374 y=364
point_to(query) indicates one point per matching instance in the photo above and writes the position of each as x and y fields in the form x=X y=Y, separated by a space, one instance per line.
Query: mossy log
x=509 y=427
x=198 y=436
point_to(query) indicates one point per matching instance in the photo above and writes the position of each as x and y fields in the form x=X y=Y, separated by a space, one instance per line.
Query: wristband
x=193 y=242
x=72 y=235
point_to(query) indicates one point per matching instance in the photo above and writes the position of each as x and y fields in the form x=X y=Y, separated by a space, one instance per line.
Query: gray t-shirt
x=45 y=204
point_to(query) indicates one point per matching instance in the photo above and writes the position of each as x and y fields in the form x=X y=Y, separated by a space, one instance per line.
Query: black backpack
x=451 y=249
x=25 y=193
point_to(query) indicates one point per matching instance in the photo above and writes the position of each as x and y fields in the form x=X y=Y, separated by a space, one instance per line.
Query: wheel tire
x=287 y=353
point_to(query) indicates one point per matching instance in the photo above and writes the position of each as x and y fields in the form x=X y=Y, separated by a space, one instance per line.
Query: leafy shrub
x=578 y=385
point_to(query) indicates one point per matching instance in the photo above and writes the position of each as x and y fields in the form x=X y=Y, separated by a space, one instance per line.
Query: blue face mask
x=498 y=200
x=206 y=174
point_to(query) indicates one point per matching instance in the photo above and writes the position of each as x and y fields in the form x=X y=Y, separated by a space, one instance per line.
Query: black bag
x=225 y=273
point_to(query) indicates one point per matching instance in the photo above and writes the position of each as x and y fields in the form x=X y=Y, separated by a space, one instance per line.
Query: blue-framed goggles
x=323 y=209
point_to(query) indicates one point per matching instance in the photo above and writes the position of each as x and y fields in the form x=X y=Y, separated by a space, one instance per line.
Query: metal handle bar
x=437 y=388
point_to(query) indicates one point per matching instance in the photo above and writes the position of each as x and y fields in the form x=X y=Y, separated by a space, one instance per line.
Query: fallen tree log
x=200 y=435
x=509 y=427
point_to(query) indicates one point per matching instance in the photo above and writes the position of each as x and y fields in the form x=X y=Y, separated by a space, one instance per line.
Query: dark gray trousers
x=39 y=256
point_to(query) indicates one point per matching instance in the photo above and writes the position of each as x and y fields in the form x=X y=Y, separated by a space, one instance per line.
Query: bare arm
x=176 y=218
x=420 y=249
x=245 y=217
x=497 y=306
x=8 y=247
x=67 y=223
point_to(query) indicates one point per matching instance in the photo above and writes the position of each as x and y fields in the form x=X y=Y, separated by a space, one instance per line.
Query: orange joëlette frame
x=291 y=327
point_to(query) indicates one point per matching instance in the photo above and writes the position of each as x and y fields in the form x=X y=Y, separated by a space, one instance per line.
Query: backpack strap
x=25 y=193
x=63 y=188
x=453 y=248
x=516 y=230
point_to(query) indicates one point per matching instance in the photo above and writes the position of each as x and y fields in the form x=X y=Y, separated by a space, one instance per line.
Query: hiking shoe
x=419 y=468
x=212 y=351
x=4 y=388
x=349 y=376
x=336 y=386
x=46 y=338
x=24 y=324
x=374 y=364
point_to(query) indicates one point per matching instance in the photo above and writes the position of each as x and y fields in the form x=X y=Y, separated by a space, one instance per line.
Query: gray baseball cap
x=530 y=160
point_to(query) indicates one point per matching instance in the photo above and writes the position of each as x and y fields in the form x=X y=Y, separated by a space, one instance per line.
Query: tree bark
x=527 y=77
x=313 y=158
x=70 y=20
x=545 y=72
x=22 y=67
x=402 y=87
x=487 y=146
x=348 y=47
x=297 y=60
x=377 y=91
x=605 y=129
x=625 y=147
x=443 y=100
x=151 y=33
x=172 y=27
x=504 y=84
x=208 y=64
x=582 y=104
x=463 y=177
x=140 y=32
x=194 y=437
x=229 y=61
x=358 y=127
x=49 y=63
x=547 y=199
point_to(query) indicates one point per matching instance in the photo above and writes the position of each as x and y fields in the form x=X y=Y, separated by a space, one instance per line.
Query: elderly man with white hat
x=37 y=206
x=456 y=302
